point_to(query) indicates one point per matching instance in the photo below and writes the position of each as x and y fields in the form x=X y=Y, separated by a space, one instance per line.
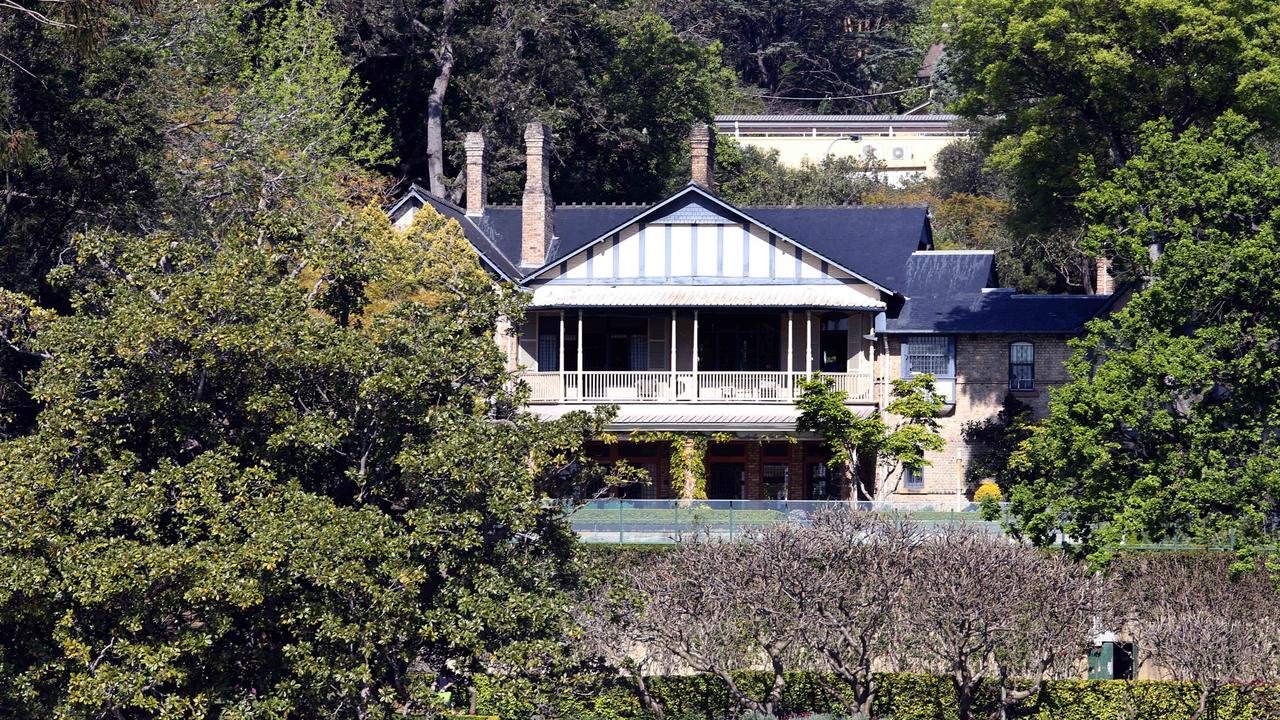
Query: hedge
x=901 y=696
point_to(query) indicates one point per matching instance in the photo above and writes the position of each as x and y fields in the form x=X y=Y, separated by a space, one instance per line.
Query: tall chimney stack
x=702 y=149
x=477 y=174
x=536 y=207
x=1103 y=284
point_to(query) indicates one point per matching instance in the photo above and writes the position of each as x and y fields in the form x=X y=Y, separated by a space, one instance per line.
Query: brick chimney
x=477 y=174
x=536 y=207
x=1103 y=283
x=702 y=149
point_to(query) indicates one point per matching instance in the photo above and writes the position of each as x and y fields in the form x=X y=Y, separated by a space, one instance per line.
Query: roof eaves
x=694 y=187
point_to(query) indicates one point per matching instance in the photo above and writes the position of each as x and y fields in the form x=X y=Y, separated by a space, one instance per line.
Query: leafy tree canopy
x=272 y=480
x=1168 y=425
x=850 y=436
x=1069 y=78
x=815 y=54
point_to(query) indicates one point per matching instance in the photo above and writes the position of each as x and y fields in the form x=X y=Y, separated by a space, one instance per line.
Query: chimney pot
x=702 y=151
x=536 y=206
x=477 y=174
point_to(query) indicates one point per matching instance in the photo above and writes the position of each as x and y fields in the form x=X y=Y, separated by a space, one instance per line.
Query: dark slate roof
x=947 y=292
x=875 y=242
x=944 y=291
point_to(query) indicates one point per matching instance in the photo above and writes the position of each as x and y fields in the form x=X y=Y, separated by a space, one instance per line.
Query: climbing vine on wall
x=687 y=463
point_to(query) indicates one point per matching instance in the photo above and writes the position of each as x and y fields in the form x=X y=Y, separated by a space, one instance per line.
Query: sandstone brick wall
x=982 y=381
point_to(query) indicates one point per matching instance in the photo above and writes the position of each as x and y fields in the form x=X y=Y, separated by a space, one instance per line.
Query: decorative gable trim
x=708 y=203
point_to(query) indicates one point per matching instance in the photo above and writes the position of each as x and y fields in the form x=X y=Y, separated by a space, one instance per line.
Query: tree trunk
x=435 y=100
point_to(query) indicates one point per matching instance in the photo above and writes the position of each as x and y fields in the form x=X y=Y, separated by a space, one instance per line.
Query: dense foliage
x=262 y=457
x=853 y=438
x=850 y=56
x=904 y=696
x=1168 y=423
x=1069 y=79
x=262 y=484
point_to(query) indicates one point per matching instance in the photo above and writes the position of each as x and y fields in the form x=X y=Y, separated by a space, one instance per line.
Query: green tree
x=618 y=87
x=749 y=176
x=808 y=49
x=851 y=437
x=1071 y=78
x=257 y=493
x=994 y=440
x=1168 y=424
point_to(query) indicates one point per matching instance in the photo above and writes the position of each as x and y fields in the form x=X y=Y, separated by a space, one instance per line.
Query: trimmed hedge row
x=901 y=696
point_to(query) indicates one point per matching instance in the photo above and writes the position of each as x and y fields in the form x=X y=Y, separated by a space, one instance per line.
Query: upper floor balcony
x=693 y=355
x=605 y=386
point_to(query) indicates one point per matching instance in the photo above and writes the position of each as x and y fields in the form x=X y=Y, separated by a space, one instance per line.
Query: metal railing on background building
x=640 y=522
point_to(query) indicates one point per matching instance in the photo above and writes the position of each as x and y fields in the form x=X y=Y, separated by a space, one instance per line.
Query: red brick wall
x=755 y=483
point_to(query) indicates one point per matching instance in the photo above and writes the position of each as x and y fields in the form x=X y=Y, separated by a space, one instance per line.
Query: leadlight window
x=1022 y=366
x=913 y=478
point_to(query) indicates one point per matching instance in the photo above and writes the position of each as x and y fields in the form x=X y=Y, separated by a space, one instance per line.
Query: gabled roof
x=870 y=243
x=693 y=192
x=472 y=228
x=949 y=292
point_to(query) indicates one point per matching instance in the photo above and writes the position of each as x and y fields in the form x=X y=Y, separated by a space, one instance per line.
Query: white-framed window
x=913 y=478
x=933 y=354
x=1022 y=366
x=929 y=354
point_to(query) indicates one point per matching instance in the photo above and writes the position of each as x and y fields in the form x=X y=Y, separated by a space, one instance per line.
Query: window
x=1022 y=366
x=834 y=343
x=913 y=478
x=548 y=344
x=642 y=490
x=928 y=354
x=820 y=485
x=775 y=481
x=933 y=354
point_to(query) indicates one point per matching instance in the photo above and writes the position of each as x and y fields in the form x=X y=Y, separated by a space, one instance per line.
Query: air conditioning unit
x=900 y=153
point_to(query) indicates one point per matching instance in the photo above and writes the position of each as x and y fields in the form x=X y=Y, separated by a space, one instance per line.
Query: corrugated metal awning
x=841 y=297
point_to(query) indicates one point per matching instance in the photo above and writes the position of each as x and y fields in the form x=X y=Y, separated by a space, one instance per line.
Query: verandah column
x=695 y=355
x=791 y=350
x=675 y=394
x=564 y=391
x=582 y=378
x=808 y=342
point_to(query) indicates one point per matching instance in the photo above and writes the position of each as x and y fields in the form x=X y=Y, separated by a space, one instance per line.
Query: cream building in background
x=906 y=144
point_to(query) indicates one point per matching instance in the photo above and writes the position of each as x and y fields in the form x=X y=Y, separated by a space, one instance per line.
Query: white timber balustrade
x=593 y=386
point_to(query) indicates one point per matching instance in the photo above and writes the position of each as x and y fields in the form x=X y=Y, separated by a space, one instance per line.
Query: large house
x=695 y=316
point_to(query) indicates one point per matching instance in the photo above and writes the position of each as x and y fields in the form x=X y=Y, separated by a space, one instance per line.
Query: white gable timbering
x=660 y=253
